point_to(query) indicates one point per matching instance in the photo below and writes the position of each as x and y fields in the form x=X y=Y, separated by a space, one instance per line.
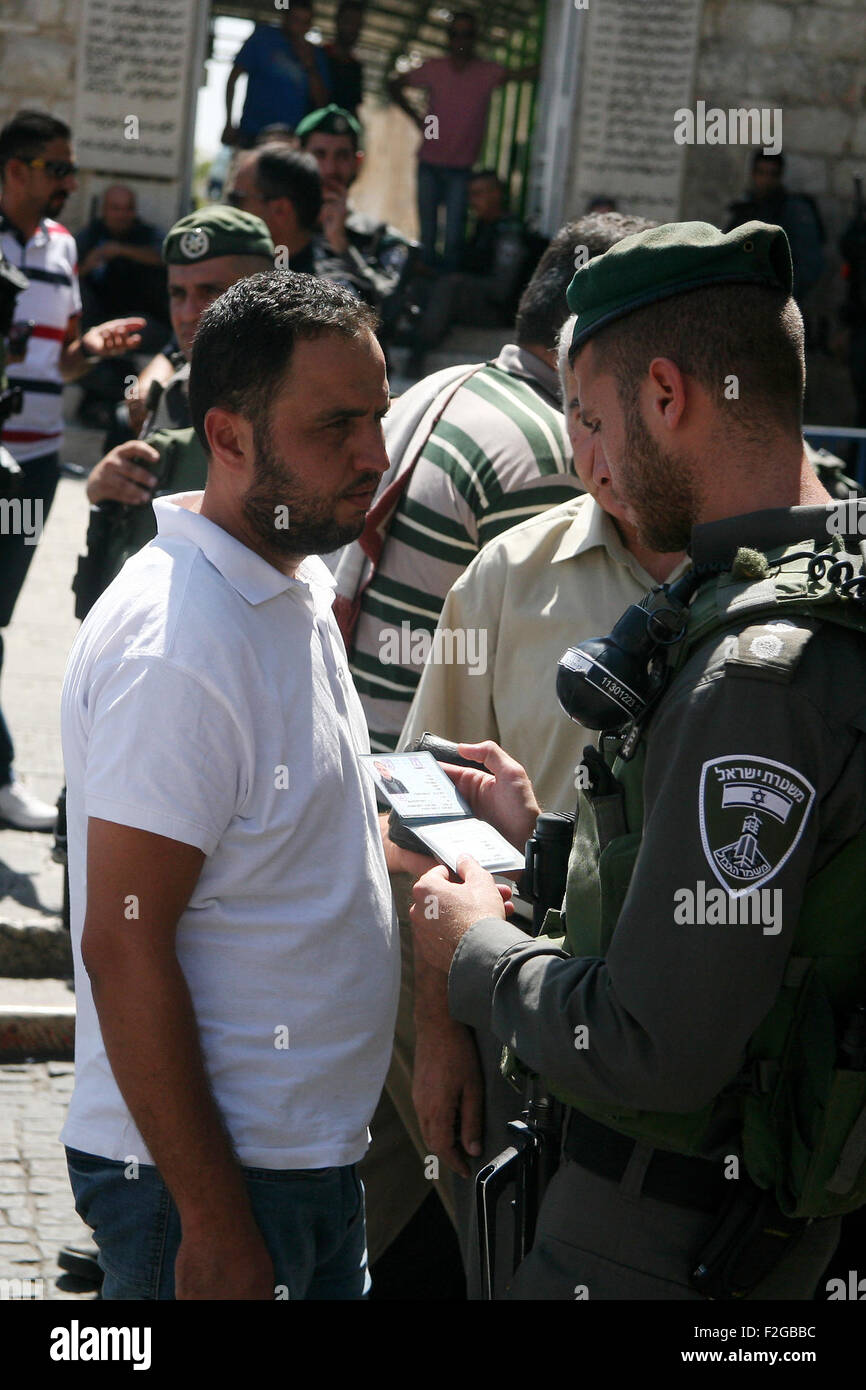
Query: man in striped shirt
x=37 y=176
x=495 y=454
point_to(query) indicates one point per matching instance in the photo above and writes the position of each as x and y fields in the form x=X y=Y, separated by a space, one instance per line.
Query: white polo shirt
x=50 y=261
x=207 y=699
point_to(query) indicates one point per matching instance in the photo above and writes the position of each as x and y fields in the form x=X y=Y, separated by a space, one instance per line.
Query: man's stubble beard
x=660 y=489
x=312 y=529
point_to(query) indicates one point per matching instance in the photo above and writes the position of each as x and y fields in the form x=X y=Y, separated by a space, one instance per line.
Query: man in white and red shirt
x=460 y=87
x=37 y=174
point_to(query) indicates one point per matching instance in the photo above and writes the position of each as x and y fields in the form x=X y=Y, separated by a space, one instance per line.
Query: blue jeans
x=311 y=1219
x=437 y=184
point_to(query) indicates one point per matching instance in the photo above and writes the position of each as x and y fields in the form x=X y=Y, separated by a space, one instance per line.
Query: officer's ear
x=231 y=444
x=664 y=393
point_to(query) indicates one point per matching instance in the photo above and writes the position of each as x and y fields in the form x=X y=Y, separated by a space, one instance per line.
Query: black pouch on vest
x=748 y=1240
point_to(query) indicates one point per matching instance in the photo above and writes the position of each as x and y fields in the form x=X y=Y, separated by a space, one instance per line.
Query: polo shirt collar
x=593 y=527
x=248 y=573
x=516 y=361
x=39 y=237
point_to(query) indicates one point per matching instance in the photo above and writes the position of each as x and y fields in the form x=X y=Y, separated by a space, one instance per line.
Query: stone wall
x=38 y=41
x=37 y=56
x=809 y=59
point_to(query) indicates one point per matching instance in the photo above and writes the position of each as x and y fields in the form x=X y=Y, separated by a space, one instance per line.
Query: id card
x=428 y=803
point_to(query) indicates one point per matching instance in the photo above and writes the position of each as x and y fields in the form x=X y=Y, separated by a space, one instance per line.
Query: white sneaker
x=21 y=810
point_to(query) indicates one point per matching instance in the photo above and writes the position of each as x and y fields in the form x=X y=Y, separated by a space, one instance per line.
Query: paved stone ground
x=37 y=1216
x=36 y=1212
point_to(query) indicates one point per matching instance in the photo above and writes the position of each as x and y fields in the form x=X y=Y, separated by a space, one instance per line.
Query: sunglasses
x=60 y=168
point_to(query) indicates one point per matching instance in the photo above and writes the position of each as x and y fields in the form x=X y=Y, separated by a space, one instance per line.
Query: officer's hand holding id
x=503 y=795
x=443 y=911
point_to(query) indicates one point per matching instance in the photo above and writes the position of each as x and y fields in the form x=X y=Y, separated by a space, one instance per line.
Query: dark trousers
x=439 y=185
x=40 y=484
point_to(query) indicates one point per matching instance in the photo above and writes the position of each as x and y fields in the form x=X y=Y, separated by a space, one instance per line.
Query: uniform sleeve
x=671 y=1008
x=186 y=784
x=453 y=699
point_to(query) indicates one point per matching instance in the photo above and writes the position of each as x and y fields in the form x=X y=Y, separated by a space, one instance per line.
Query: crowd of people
x=262 y=971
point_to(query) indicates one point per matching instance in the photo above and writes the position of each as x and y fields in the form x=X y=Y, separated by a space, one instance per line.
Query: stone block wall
x=807 y=57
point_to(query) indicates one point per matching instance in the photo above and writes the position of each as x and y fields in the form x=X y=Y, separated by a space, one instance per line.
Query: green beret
x=331 y=120
x=666 y=261
x=216 y=231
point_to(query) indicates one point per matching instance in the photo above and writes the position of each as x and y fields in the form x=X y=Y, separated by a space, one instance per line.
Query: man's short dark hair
x=543 y=309
x=281 y=172
x=466 y=16
x=759 y=157
x=751 y=332
x=27 y=134
x=245 y=340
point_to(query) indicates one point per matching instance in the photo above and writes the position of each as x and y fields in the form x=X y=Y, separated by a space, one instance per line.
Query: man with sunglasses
x=460 y=87
x=38 y=174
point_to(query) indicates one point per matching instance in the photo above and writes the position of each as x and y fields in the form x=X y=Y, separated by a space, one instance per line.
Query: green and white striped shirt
x=498 y=454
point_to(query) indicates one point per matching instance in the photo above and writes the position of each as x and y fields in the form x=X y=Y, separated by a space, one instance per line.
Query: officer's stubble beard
x=661 y=490
x=312 y=528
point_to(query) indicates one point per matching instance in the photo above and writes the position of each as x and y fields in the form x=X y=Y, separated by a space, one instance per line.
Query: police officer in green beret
x=377 y=254
x=697 y=1004
x=205 y=252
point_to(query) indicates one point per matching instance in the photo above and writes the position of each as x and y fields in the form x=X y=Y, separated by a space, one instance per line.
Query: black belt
x=670 y=1177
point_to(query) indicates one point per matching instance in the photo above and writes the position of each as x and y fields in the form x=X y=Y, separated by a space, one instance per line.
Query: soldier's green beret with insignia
x=331 y=120
x=669 y=260
x=216 y=231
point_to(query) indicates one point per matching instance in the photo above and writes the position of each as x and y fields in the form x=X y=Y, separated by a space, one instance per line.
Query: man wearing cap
x=748 y=767
x=205 y=252
x=375 y=252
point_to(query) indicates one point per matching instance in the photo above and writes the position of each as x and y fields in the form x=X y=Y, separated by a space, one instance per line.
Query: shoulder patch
x=772 y=651
x=752 y=813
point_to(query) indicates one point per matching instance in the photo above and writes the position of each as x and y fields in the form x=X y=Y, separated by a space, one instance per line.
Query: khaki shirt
x=548 y=583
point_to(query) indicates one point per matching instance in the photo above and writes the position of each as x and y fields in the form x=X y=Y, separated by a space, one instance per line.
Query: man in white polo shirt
x=235 y=950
